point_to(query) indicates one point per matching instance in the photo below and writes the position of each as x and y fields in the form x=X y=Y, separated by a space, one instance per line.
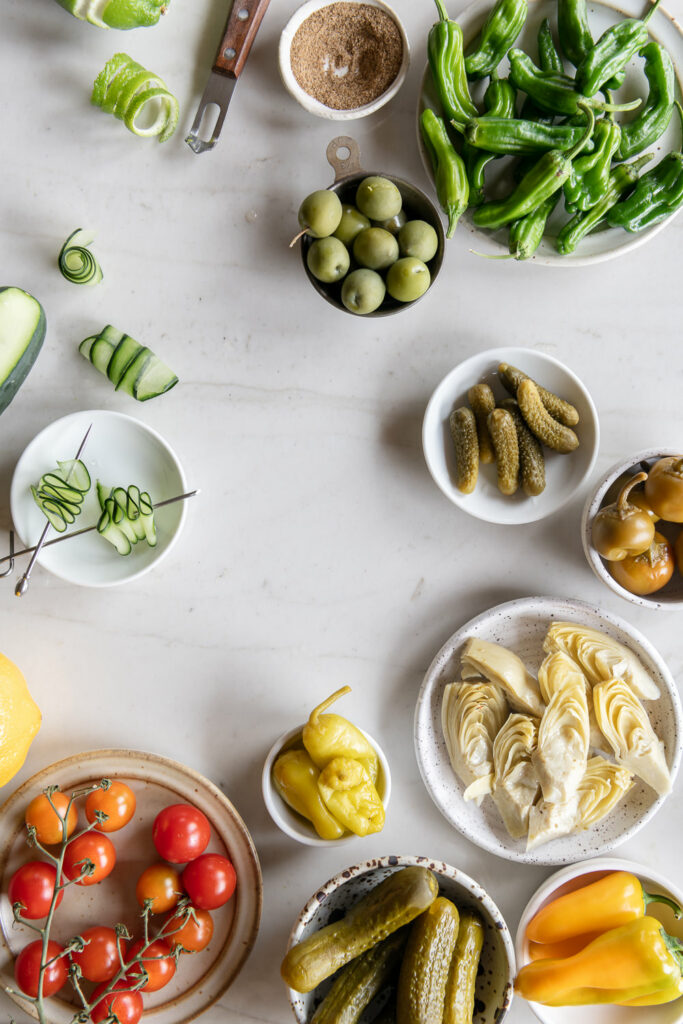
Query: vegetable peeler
x=243 y=24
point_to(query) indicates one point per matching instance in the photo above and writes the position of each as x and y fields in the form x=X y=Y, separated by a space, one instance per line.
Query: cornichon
x=421 y=992
x=393 y=903
x=483 y=401
x=511 y=378
x=504 y=437
x=464 y=433
x=531 y=461
x=553 y=434
x=462 y=976
x=360 y=981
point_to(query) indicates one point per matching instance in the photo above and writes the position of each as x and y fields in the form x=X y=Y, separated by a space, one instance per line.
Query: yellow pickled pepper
x=296 y=780
x=328 y=736
x=350 y=795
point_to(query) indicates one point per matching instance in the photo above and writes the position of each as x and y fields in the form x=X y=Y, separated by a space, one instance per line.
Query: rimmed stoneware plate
x=599 y=245
x=565 y=474
x=495 y=978
x=157 y=782
x=521 y=625
x=120 y=451
x=575 y=877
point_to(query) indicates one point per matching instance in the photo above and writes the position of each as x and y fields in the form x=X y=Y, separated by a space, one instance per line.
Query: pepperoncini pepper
x=331 y=736
x=296 y=780
x=623 y=528
x=612 y=901
x=637 y=961
x=349 y=794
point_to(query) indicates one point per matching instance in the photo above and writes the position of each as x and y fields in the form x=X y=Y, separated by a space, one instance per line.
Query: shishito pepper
x=590 y=173
x=295 y=778
x=526 y=234
x=614 y=900
x=508 y=136
x=612 y=52
x=447 y=64
x=637 y=961
x=328 y=736
x=499 y=100
x=450 y=173
x=349 y=794
x=653 y=118
x=552 y=91
x=500 y=30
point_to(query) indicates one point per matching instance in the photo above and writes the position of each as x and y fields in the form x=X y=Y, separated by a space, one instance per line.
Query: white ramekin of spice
x=343 y=59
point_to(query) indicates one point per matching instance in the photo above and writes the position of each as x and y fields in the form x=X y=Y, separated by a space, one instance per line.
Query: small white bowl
x=308 y=102
x=293 y=824
x=495 y=978
x=574 y=877
x=669 y=597
x=565 y=474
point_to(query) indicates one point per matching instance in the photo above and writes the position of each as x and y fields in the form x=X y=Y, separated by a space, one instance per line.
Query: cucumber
x=360 y=981
x=108 y=529
x=462 y=975
x=147 y=516
x=86 y=345
x=127 y=517
x=22 y=333
x=59 y=495
x=126 y=351
x=422 y=982
x=393 y=903
x=156 y=379
x=133 y=371
x=130 y=366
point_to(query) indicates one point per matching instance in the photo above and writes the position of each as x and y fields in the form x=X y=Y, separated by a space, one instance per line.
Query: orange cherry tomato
x=117 y=802
x=646 y=573
x=49 y=825
x=190 y=928
x=157 y=960
x=161 y=884
x=94 y=847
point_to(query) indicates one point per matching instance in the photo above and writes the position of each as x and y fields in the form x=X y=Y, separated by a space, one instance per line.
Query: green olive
x=351 y=223
x=375 y=248
x=408 y=279
x=393 y=224
x=363 y=291
x=320 y=213
x=418 y=238
x=328 y=259
x=378 y=198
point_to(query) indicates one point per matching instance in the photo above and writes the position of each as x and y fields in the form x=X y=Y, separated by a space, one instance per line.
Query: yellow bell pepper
x=329 y=736
x=295 y=778
x=350 y=795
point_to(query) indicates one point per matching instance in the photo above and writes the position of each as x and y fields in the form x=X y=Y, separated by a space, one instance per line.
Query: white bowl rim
x=499 y=354
x=307 y=101
x=272 y=799
x=590 y=509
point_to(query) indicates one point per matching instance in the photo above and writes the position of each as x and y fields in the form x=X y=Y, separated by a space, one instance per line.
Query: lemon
x=19 y=719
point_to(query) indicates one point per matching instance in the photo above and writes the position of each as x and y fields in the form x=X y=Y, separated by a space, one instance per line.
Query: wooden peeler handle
x=240 y=32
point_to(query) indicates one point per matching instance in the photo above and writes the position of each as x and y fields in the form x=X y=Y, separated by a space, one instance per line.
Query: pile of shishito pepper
x=564 y=135
x=597 y=945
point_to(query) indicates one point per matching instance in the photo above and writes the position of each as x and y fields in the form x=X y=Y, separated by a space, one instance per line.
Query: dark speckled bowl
x=497 y=969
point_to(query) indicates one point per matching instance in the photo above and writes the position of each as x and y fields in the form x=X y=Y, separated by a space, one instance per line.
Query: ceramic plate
x=157 y=782
x=600 y=245
x=496 y=975
x=521 y=625
x=565 y=474
x=120 y=451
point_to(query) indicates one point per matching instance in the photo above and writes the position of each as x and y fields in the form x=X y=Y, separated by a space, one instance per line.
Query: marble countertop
x=319 y=552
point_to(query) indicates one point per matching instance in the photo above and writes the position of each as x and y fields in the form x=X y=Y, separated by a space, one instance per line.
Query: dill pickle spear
x=482 y=400
x=560 y=410
x=462 y=975
x=504 y=436
x=553 y=434
x=531 y=461
x=464 y=433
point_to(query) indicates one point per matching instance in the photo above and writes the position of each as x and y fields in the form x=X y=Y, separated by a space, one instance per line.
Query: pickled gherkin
x=462 y=976
x=483 y=401
x=464 y=433
x=422 y=981
x=553 y=434
x=560 y=410
x=504 y=436
x=531 y=461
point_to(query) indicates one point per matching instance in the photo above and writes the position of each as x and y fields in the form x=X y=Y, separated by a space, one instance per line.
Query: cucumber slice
x=55 y=513
x=22 y=332
x=147 y=517
x=126 y=351
x=102 y=494
x=156 y=379
x=76 y=263
x=75 y=473
x=111 y=532
x=101 y=353
x=86 y=345
x=134 y=370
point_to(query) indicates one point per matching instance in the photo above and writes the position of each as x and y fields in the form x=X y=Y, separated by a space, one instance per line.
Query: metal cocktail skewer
x=22 y=585
x=75 y=533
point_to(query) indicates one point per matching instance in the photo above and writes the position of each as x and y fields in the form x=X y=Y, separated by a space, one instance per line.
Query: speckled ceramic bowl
x=575 y=877
x=670 y=597
x=331 y=900
x=521 y=625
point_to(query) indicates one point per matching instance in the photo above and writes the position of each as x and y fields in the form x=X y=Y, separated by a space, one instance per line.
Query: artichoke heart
x=600 y=790
x=624 y=723
x=600 y=657
x=501 y=666
x=563 y=738
x=515 y=783
x=551 y=821
x=556 y=671
x=471 y=715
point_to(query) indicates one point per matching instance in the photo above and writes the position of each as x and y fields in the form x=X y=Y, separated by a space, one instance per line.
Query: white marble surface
x=320 y=552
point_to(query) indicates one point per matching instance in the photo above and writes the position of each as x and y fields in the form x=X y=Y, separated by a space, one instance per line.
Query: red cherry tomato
x=99 y=961
x=209 y=881
x=49 y=825
x=33 y=884
x=126 y=1005
x=191 y=931
x=161 y=884
x=117 y=802
x=157 y=961
x=180 y=833
x=94 y=847
x=27 y=969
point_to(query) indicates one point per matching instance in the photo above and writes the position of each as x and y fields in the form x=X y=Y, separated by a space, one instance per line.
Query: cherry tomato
x=157 y=961
x=180 y=833
x=99 y=961
x=27 y=969
x=33 y=884
x=94 y=847
x=126 y=1005
x=117 y=802
x=161 y=884
x=209 y=881
x=48 y=825
x=194 y=935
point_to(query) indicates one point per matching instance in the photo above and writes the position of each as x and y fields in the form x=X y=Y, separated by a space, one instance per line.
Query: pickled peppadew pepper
x=447 y=64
